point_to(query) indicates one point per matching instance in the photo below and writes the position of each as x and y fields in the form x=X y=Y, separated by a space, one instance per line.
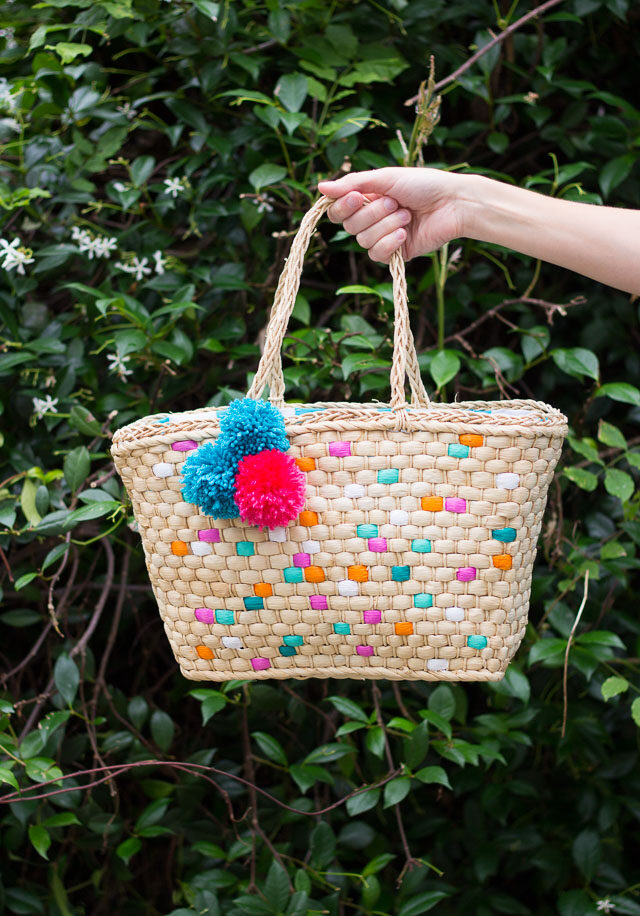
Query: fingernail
x=352 y=200
x=389 y=204
x=401 y=235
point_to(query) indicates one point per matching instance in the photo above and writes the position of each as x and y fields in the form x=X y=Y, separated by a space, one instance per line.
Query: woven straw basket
x=412 y=558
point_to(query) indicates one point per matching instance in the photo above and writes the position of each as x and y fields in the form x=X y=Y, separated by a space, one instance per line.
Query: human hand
x=413 y=209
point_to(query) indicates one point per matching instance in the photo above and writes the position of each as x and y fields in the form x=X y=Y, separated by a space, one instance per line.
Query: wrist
x=479 y=198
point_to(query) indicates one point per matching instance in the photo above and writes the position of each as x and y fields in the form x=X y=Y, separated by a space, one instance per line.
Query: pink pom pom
x=270 y=489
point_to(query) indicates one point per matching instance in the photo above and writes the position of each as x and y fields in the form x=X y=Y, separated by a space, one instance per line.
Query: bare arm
x=418 y=210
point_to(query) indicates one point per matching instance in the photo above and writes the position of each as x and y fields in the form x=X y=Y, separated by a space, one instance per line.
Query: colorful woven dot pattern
x=411 y=559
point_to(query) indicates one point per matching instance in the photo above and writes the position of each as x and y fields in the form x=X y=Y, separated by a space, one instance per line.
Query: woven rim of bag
x=440 y=588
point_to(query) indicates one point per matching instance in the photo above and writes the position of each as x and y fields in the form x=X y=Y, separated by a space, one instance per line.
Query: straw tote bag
x=411 y=557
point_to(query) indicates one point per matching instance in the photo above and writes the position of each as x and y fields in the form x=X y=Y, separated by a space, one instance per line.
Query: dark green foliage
x=192 y=133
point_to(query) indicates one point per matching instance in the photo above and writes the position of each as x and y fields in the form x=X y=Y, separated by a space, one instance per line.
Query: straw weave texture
x=412 y=558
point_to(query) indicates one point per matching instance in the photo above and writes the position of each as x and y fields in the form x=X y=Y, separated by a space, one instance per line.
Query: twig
x=494 y=41
x=33 y=651
x=566 y=654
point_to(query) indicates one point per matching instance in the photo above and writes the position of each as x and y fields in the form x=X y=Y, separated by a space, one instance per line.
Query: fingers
x=384 y=247
x=375 y=230
x=377 y=181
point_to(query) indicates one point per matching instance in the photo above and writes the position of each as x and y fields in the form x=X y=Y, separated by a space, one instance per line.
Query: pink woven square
x=339 y=449
x=378 y=545
x=372 y=616
x=259 y=664
x=204 y=614
x=364 y=650
x=318 y=602
x=185 y=446
x=466 y=574
x=455 y=504
x=209 y=534
x=301 y=559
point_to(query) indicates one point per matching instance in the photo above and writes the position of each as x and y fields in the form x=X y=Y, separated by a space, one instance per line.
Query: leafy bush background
x=247 y=105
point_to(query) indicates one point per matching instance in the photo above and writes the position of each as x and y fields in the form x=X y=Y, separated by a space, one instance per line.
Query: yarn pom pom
x=208 y=477
x=250 y=426
x=270 y=489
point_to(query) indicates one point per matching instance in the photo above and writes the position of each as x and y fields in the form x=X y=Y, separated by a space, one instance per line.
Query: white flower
x=160 y=261
x=127 y=110
x=8 y=34
x=15 y=255
x=174 y=185
x=45 y=405
x=139 y=267
x=126 y=267
x=119 y=186
x=117 y=364
x=104 y=246
x=263 y=203
x=605 y=906
x=11 y=123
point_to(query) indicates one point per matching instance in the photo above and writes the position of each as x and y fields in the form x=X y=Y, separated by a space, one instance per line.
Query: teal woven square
x=245 y=548
x=292 y=640
x=367 y=531
x=477 y=642
x=506 y=535
x=388 y=475
x=293 y=574
x=254 y=604
x=456 y=450
x=224 y=617
x=287 y=650
x=341 y=628
x=400 y=573
x=423 y=600
x=420 y=545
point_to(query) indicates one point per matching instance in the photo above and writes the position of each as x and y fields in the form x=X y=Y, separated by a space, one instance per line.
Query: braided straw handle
x=405 y=360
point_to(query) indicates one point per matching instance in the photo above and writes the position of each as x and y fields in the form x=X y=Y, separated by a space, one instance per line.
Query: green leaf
x=76 y=467
x=430 y=775
x=7 y=776
x=635 y=711
x=548 y=651
x=362 y=802
x=40 y=839
x=444 y=366
x=611 y=435
x=138 y=710
x=620 y=391
x=396 y=790
x=442 y=701
x=614 y=686
x=128 y=848
x=141 y=170
x=615 y=172
x=292 y=91
x=497 y=141
x=327 y=753
x=152 y=814
x=276 y=887
x=619 y=483
x=422 y=903
x=377 y=864
x=583 y=479
x=84 y=421
x=577 y=362
x=90 y=511
x=587 y=852
x=54 y=555
x=66 y=677
x=162 y=729
x=267 y=174
x=28 y=502
x=64 y=819
x=442 y=724
x=68 y=51
x=322 y=845
x=212 y=702
x=270 y=747
x=25 y=580
x=348 y=708
x=376 y=741
x=585 y=447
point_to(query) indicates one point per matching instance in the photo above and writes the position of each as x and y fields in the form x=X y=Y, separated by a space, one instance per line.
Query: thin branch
x=566 y=655
x=494 y=41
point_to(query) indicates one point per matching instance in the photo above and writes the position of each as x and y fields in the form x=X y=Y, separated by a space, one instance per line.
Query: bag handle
x=405 y=359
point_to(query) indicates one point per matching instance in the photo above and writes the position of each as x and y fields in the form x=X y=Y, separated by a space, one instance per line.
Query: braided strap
x=405 y=360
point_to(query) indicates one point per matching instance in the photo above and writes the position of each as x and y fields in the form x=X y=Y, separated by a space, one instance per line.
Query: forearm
x=599 y=242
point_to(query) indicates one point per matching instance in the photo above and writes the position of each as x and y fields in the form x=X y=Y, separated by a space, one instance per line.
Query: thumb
x=376 y=181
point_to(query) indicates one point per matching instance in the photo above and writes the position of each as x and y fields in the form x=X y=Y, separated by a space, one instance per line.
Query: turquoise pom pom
x=209 y=481
x=250 y=426
x=209 y=474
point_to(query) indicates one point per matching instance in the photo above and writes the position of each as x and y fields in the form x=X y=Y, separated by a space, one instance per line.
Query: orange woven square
x=502 y=561
x=471 y=439
x=180 y=548
x=204 y=651
x=306 y=464
x=432 y=503
x=359 y=573
x=308 y=518
x=405 y=628
x=263 y=590
x=314 y=574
